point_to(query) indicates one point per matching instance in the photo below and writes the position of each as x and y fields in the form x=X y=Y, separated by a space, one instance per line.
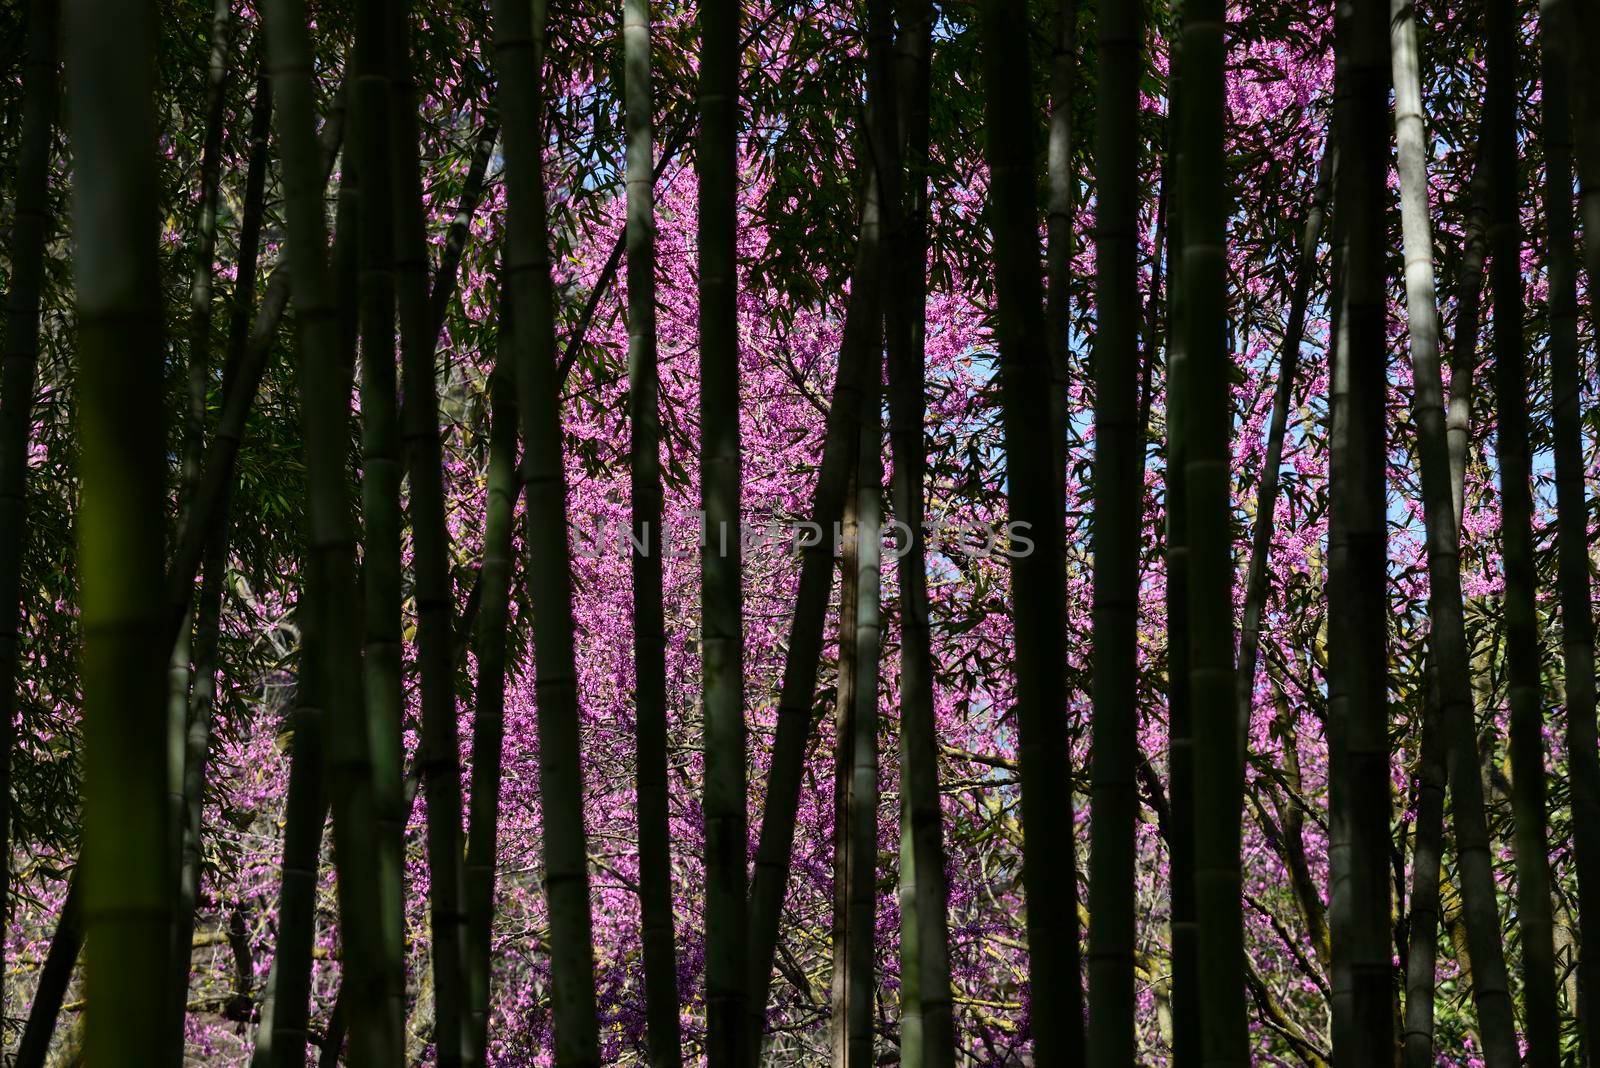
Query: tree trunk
x=1180 y=712
x=190 y=716
x=1469 y=299
x=1422 y=316
x=721 y=639
x=1566 y=385
x=381 y=473
x=127 y=835
x=208 y=618
x=1207 y=418
x=54 y=977
x=862 y=807
x=1118 y=507
x=1358 y=603
x=844 y=714
x=305 y=813
x=519 y=52
x=1060 y=219
x=489 y=719
x=927 y=1026
x=440 y=757
x=1448 y=647
x=650 y=642
x=1542 y=1026
x=1049 y=865
x=784 y=779
x=331 y=582
x=30 y=230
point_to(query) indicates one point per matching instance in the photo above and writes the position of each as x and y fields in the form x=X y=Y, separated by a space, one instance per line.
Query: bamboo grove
x=855 y=532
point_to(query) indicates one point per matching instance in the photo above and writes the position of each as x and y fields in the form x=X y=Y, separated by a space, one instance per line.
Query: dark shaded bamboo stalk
x=722 y=638
x=844 y=734
x=54 y=977
x=382 y=606
x=1557 y=31
x=439 y=760
x=305 y=814
x=519 y=56
x=1118 y=506
x=1541 y=1026
x=645 y=493
x=1208 y=478
x=1049 y=866
x=189 y=734
x=1358 y=605
x=208 y=617
x=794 y=720
x=489 y=718
x=927 y=1025
x=283 y=1033
x=1180 y=715
x=127 y=834
x=331 y=571
x=30 y=230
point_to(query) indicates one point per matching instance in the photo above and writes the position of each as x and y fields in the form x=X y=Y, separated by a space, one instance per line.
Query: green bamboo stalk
x=650 y=663
x=187 y=768
x=283 y=1033
x=489 y=719
x=30 y=230
x=1541 y=1022
x=1060 y=208
x=862 y=805
x=332 y=584
x=844 y=715
x=775 y=846
x=305 y=813
x=1469 y=306
x=1439 y=463
x=68 y=938
x=1049 y=866
x=1557 y=30
x=1358 y=605
x=881 y=142
x=439 y=759
x=1208 y=478
x=127 y=836
x=1118 y=504
x=381 y=473
x=208 y=618
x=519 y=53
x=927 y=1028
x=1180 y=716
x=1422 y=319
